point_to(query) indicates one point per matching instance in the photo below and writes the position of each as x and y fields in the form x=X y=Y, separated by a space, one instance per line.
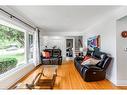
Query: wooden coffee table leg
x=53 y=79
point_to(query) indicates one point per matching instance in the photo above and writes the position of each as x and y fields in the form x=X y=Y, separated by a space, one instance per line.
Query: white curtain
x=36 y=48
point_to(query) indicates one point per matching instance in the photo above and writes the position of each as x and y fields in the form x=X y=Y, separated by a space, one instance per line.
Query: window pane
x=11 y=48
x=30 y=47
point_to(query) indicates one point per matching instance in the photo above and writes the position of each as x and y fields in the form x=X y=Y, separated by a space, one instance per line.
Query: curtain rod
x=12 y=16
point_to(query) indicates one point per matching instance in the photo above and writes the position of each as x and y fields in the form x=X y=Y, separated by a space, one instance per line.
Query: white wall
x=121 y=53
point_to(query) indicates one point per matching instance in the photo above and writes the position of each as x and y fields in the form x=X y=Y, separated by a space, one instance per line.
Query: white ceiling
x=63 y=18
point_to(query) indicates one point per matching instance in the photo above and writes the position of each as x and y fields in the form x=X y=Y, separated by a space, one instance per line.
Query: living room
x=53 y=40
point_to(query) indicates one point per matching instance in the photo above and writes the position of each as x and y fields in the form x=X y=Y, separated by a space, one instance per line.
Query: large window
x=12 y=48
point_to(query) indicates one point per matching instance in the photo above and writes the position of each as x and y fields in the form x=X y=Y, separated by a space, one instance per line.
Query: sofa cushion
x=55 y=56
x=47 y=54
x=103 y=57
x=89 y=53
x=98 y=55
x=43 y=53
x=48 y=50
x=46 y=61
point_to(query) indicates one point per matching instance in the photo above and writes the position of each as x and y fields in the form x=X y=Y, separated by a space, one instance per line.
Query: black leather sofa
x=93 y=72
x=55 y=57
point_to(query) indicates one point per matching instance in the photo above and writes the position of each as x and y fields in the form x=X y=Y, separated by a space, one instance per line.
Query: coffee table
x=46 y=78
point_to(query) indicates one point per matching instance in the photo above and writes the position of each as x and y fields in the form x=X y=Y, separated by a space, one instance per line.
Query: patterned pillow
x=43 y=53
x=90 y=61
x=46 y=54
x=86 y=58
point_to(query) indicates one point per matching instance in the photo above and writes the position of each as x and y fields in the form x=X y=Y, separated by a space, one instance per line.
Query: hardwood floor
x=69 y=79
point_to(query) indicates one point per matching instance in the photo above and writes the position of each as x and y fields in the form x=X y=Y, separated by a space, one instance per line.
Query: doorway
x=69 y=48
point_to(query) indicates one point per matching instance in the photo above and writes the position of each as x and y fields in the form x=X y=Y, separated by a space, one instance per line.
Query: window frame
x=26 y=43
x=29 y=48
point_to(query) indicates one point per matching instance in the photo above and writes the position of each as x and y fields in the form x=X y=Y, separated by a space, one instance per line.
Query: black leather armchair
x=93 y=72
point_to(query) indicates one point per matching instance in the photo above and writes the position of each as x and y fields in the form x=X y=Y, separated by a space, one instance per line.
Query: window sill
x=13 y=71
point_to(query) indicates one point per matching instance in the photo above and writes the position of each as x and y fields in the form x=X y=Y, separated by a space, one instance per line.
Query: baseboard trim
x=112 y=81
x=122 y=83
x=118 y=83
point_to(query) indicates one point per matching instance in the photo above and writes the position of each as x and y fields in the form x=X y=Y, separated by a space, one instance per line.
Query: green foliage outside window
x=9 y=35
x=11 y=48
x=7 y=64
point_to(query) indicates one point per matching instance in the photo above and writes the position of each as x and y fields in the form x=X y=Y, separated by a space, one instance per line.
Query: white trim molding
x=121 y=83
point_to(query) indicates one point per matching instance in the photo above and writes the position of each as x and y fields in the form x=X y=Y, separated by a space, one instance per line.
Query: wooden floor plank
x=69 y=78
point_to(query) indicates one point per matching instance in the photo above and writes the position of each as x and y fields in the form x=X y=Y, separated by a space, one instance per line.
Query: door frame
x=69 y=37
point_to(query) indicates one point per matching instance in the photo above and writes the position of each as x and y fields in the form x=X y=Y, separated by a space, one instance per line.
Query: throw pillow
x=94 y=61
x=55 y=56
x=86 y=62
x=90 y=61
x=47 y=55
x=43 y=54
x=85 y=58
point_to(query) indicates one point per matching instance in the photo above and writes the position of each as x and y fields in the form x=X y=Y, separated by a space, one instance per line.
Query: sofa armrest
x=79 y=58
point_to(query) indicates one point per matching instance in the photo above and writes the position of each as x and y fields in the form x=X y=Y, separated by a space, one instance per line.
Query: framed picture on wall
x=93 y=42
